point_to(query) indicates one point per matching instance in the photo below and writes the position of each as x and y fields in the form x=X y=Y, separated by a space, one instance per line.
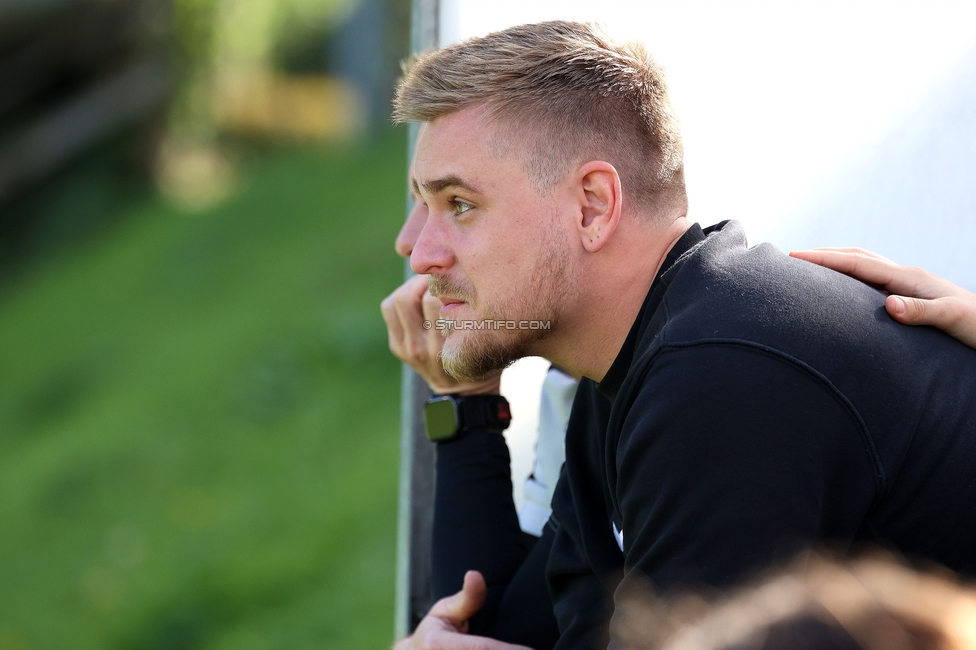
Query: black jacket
x=759 y=405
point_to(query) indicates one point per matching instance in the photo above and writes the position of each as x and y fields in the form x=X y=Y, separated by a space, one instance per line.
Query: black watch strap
x=448 y=417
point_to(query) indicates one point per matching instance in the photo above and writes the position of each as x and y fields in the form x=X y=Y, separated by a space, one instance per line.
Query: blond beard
x=472 y=355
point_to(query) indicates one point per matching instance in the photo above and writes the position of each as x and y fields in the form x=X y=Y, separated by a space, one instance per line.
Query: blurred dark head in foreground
x=866 y=604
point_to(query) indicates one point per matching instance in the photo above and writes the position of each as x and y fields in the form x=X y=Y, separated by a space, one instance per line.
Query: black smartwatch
x=449 y=417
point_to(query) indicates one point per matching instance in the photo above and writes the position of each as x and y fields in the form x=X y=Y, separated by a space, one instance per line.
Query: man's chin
x=475 y=360
x=467 y=369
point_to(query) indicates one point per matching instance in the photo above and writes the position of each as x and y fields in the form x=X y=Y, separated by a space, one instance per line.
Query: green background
x=199 y=416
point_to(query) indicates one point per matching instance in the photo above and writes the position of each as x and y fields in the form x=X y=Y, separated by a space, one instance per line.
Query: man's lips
x=449 y=303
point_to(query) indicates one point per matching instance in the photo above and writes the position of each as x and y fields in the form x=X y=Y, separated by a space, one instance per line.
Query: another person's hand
x=411 y=315
x=446 y=625
x=917 y=297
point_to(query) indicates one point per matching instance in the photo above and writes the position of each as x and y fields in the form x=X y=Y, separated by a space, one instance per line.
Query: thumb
x=954 y=314
x=910 y=311
x=465 y=603
x=948 y=313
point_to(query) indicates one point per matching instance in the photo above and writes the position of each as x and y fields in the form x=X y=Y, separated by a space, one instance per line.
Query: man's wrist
x=449 y=417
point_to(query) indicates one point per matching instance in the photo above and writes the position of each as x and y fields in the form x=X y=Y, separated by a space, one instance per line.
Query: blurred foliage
x=198 y=417
x=84 y=200
x=211 y=36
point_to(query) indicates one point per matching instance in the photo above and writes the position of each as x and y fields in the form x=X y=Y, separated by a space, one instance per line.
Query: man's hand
x=406 y=311
x=917 y=296
x=446 y=625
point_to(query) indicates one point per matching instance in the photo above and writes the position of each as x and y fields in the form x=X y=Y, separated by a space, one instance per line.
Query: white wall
x=815 y=123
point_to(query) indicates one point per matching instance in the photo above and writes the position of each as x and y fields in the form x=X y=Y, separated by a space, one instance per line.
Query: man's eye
x=460 y=207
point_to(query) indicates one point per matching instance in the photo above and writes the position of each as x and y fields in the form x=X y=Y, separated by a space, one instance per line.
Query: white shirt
x=556 y=401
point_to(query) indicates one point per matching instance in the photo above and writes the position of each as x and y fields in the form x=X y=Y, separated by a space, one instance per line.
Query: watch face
x=440 y=418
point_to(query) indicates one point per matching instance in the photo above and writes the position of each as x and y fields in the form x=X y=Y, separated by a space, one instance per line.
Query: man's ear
x=598 y=190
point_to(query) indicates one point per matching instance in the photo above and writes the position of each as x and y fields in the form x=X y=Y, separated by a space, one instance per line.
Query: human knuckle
x=401 y=299
x=411 y=353
x=917 y=309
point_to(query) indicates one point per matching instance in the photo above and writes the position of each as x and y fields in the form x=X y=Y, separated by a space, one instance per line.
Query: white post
x=414 y=595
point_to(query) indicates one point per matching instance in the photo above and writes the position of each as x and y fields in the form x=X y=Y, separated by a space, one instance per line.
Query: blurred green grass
x=198 y=420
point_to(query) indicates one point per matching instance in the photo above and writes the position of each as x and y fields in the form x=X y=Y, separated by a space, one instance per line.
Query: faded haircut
x=561 y=94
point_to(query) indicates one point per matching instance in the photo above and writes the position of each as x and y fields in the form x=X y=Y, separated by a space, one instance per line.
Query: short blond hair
x=566 y=93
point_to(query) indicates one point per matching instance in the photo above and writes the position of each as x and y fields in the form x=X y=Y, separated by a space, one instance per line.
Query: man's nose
x=430 y=253
x=407 y=237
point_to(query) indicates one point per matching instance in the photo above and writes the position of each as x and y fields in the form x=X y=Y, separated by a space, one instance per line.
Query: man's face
x=494 y=247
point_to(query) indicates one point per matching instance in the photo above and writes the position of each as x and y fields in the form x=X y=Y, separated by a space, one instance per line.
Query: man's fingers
x=465 y=603
x=407 y=301
x=456 y=641
x=394 y=329
x=447 y=640
x=418 y=343
x=435 y=336
x=403 y=316
x=442 y=639
x=404 y=644
x=957 y=316
x=446 y=624
x=432 y=310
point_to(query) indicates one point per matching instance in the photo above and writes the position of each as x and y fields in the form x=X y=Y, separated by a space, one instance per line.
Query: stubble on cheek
x=472 y=354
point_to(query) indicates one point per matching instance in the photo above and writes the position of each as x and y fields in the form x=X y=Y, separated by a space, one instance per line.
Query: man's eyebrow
x=440 y=184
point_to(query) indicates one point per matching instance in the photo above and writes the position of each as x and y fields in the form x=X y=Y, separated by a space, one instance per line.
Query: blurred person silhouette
x=816 y=603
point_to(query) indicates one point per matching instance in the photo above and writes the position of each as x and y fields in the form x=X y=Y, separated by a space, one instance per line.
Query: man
x=748 y=405
x=476 y=526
